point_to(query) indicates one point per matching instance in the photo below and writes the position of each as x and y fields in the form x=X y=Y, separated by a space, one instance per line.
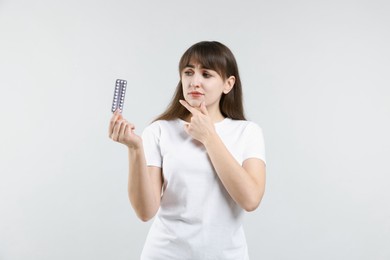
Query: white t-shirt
x=197 y=218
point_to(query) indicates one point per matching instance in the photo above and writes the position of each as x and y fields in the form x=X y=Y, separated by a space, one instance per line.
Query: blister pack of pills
x=119 y=95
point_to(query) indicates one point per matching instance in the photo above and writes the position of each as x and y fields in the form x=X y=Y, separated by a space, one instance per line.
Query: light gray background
x=315 y=76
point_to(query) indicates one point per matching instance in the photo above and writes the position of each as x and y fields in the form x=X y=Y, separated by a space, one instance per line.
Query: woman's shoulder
x=244 y=128
x=241 y=123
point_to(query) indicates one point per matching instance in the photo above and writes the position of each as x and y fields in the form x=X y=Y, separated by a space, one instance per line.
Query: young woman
x=199 y=165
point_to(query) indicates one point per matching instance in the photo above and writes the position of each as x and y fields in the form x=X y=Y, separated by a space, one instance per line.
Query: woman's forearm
x=245 y=186
x=142 y=188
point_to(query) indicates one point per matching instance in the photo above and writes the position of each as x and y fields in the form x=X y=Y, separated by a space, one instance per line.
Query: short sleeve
x=151 y=142
x=254 y=142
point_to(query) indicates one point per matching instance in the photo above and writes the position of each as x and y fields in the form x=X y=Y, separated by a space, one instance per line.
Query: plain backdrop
x=315 y=77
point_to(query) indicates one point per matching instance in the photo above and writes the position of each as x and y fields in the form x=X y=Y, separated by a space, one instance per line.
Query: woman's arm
x=144 y=183
x=245 y=183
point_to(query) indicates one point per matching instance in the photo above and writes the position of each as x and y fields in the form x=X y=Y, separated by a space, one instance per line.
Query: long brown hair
x=216 y=56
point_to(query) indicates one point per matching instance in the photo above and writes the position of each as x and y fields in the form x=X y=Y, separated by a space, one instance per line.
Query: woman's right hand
x=122 y=131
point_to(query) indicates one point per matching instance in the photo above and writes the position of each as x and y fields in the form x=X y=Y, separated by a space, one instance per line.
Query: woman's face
x=203 y=84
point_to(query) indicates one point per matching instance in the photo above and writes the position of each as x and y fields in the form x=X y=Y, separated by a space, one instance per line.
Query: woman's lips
x=195 y=94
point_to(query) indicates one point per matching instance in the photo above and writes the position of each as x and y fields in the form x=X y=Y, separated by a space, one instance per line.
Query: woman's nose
x=194 y=85
x=196 y=82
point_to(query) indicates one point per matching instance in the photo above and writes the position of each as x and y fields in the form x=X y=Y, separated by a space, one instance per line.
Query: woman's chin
x=194 y=102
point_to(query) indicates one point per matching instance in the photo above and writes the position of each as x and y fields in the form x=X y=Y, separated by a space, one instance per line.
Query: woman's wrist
x=135 y=148
x=211 y=139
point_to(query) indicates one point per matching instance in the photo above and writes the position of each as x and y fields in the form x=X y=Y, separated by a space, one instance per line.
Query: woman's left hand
x=201 y=127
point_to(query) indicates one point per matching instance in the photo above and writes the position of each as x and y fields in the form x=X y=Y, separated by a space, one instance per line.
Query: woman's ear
x=229 y=84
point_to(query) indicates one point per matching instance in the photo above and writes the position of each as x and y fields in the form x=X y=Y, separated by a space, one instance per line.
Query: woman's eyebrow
x=201 y=67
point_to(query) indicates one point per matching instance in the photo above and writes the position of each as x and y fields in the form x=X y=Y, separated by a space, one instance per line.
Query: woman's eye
x=187 y=73
x=206 y=75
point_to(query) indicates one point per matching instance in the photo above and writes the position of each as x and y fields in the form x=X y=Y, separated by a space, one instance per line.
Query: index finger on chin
x=187 y=106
